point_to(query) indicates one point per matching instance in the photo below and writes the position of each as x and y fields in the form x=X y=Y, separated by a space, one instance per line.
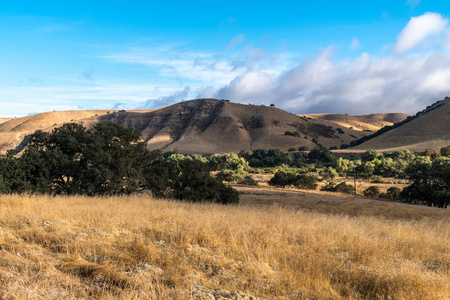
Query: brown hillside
x=3 y=120
x=216 y=126
x=197 y=126
x=372 y=122
x=430 y=130
x=13 y=131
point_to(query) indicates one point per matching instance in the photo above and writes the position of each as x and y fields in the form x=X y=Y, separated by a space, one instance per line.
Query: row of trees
x=110 y=160
x=106 y=160
x=429 y=171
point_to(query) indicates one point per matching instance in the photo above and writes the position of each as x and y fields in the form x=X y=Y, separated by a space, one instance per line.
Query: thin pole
x=354 y=177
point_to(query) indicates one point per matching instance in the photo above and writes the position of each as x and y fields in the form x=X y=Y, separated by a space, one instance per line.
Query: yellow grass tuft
x=137 y=247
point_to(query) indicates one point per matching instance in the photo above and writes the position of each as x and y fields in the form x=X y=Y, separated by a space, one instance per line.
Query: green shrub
x=231 y=175
x=394 y=193
x=301 y=181
x=344 y=188
x=376 y=179
x=340 y=188
x=329 y=173
x=445 y=151
x=248 y=180
x=371 y=191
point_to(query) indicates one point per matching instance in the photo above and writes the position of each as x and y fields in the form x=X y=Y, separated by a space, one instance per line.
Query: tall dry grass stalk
x=140 y=248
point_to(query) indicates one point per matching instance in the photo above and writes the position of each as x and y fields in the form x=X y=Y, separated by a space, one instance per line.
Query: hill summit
x=217 y=126
x=209 y=126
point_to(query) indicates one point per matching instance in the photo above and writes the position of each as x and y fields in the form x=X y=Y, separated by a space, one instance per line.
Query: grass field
x=141 y=248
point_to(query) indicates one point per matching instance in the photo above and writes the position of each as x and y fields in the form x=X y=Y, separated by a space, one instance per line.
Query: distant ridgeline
x=396 y=125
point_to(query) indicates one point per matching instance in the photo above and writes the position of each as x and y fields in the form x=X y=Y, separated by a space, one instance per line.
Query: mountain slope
x=215 y=126
x=14 y=131
x=429 y=129
x=197 y=126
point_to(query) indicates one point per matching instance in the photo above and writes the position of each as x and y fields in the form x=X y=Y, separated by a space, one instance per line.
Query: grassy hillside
x=197 y=126
x=428 y=129
x=137 y=247
x=372 y=122
x=210 y=126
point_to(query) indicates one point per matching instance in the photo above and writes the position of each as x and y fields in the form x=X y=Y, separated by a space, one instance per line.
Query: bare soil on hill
x=372 y=122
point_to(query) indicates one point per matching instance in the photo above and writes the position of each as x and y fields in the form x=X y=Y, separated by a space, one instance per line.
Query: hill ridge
x=428 y=129
x=198 y=126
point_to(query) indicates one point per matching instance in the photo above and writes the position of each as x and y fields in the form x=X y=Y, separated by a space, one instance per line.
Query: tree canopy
x=108 y=159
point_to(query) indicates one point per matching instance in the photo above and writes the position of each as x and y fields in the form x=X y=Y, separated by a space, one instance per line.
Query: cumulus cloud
x=364 y=85
x=420 y=30
x=405 y=81
x=167 y=100
x=253 y=85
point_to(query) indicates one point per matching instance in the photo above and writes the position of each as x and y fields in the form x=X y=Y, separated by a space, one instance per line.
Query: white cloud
x=39 y=99
x=420 y=30
x=402 y=82
x=167 y=100
x=254 y=85
x=364 y=85
x=236 y=40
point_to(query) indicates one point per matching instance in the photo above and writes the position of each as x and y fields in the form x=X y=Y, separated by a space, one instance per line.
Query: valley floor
x=333 y=203
x=141 y=248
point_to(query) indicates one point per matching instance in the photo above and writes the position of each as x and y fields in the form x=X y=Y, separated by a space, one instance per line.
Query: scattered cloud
x=413 y=3
x=235 y=40
x=354 y=45
x=420 y=31
x=178 y=96
x=403 y=80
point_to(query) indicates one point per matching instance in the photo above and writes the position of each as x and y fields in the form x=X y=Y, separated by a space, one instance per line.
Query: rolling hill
x=217 y=126
x=428 y=129
x=372 y=122
x=197 y=126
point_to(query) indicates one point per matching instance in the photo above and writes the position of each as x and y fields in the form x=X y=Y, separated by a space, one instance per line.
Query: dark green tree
x=431 y=185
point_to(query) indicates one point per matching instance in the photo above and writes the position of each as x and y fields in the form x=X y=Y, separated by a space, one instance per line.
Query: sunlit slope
x=430 y=130
x=372 y=122
x=206 y=126
x=216 y=126
x=13 y=131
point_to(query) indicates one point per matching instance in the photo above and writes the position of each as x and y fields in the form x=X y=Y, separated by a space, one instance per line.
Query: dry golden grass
x=140 y=248
x=336 y=204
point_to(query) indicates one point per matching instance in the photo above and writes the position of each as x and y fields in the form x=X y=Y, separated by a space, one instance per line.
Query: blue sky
x=352 y=57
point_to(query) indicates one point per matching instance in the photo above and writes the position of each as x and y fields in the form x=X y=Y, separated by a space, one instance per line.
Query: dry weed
x=141 y=248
